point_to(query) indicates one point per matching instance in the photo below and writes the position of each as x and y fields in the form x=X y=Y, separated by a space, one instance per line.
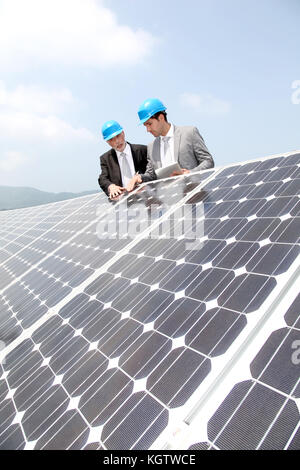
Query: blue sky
x=229 y=67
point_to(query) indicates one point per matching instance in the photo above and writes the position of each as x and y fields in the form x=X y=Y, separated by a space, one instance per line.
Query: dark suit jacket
x=110 y=170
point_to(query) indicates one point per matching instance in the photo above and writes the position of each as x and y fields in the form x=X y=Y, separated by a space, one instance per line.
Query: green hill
x=17 y=197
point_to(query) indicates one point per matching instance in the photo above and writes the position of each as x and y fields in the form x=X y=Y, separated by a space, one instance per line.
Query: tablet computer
x=167 y=170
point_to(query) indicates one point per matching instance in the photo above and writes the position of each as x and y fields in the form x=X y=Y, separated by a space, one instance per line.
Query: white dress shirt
x=128 y=156
x=169 y=158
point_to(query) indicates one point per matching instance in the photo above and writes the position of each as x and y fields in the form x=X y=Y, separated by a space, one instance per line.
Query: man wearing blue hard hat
x=121 y=163
x=182 y=145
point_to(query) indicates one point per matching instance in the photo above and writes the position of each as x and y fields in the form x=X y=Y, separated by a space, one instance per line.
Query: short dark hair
x=156 y=115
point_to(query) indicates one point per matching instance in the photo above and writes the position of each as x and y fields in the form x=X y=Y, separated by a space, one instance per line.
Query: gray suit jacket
x=189 y=150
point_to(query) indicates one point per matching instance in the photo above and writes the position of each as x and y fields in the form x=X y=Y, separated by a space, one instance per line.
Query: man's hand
x=114 y=191
x=183 y=171
x=136 y=179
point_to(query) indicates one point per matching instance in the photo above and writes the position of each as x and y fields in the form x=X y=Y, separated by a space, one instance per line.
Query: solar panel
x=261 y=411
x=115 y=338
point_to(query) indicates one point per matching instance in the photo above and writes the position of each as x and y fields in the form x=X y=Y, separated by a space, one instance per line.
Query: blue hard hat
x=150 y=107
x=110 y=129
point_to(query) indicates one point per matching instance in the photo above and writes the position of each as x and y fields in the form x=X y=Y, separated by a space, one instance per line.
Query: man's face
x=118 y=142
x=155 y=126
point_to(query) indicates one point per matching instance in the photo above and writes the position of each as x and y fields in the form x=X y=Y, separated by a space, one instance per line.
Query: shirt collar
x=126 y=150
x=170 y=132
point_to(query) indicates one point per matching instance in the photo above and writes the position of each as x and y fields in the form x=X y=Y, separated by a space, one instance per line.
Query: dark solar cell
x=179 y=317
x=3 y=388
x=228 y=171
x=258 y=229
x=283 y=427
x=178 y=376
x=60 y=336
x=12 y=438
x=290 y=188
x=252 y=166
x=73 y=305
x=290 y=160
x=13 y=357
x=180 y=277
x=227 y=228
x=127 y=300
x=66 y=356
x=158 y=247
x=80 y=277
x=84 y=373
x=273 y=259
x=25 y=366
x=136 y=268
x=269 y=163
x=122 y=263
x=113 y=289
x=34 y=385
x=116 y=341
x=287 y=231
x=152 y=306
x=279 y=174
x=296 y=209
x=292 y=316
x=199 y=446
x=156 y=271
x=274 y=363
x=105 y=396
x=97 y=285
x=215 y=331
x=208 y=250
x=209 y=284
x=247 y=292
x=244 y=416
x=98 y=325
x=235 y=255
x=247 y=208
x=255 y=177
x=144 y=354
x=136 y=424
x=7 y=415
x=295 y=442
x=213 y=210
x=68 y=432
x=277 y=207
x=265 y=190
x=45 y=411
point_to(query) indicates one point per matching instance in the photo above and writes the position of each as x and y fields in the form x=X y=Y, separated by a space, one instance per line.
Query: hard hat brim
x=114 y=134
x=150 y=115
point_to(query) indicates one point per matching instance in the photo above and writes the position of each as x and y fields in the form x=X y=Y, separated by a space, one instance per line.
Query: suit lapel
x=156 y=153
x=177 y=137
x=116 y=166
x=134 y=157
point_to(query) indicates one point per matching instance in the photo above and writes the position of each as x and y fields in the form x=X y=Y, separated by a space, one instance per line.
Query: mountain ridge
x=18 y=197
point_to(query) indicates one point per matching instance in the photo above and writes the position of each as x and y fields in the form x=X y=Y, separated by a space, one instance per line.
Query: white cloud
x=30 y=113
x=205 y=104
x=11 y=160
x=35 y=99
x=22 y=125
x=68 y=32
